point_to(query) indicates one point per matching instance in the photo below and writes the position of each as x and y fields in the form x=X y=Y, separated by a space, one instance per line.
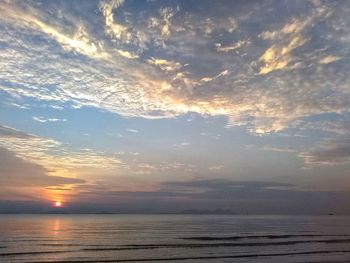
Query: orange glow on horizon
x=58 y=204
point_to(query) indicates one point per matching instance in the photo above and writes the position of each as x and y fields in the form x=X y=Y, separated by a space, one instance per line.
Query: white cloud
x=116 y=30
x=44 y=120
x=216 y=167
x=127 y=54
x=329 y=59
x=181 y=145
x=20 y=106
x=233 y=46
x=164 y=64
x=278 y=149
x=221 y=74
x=279 y=57
x=78 y=41
x=132 y=130
x=147 y=168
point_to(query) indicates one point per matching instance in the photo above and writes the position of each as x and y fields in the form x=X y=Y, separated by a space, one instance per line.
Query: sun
x=58 y=203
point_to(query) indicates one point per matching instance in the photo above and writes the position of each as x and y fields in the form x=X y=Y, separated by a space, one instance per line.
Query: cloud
x=113 y=28
x=8 y=132
x=44 y=120
x=293 y=27
x=329 y=59
x=54 y=156
x=252 y=197
x=29 y=17
x=291 y=36
x=181 y=145
x=16 y=172
x=160 y=63
x=127 y=54
x=221 y=74
x=165 y=65
x=132 y=130
x=222 y=185
x=167 y=14
x=159 y=168
x=191 y=191
x=209 y=26
x=278 y=149
x=331 y=153
x=339 y=126
x=16 y=105
x=216 y=168
x=278 y=57
x=231 y=47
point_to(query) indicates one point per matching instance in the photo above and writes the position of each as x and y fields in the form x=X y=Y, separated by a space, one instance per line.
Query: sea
x=174 y=238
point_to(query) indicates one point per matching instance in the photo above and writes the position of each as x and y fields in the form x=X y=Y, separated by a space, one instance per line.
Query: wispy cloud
x=33 y=18
x=181 y=145
x=164 y=64
x=44 y=120
x=113 y=28
x=220 y=48
x=221 y=74
x=127 y=54
x=165 y=167
x=329 y=59
x=132 y=130
x=278 y=57
x=278 y=149
x=56 y=157
x=216 y=167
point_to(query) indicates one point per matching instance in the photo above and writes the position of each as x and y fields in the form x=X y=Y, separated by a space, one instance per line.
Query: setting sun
x=58 y=203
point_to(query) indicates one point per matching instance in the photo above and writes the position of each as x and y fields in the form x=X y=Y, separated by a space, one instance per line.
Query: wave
x=203 y=257
x=209 y=238
x=71 y=245
x=203 y=245
x=33 y=240
x=162 y=246
x=32 y=253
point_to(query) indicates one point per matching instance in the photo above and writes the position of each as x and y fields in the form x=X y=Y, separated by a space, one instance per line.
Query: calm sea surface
x=168 y=238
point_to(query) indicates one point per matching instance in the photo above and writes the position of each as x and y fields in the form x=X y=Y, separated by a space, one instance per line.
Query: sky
x=165 y=106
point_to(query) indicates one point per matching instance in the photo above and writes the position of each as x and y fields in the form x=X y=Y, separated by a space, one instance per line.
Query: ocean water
x=174 y=238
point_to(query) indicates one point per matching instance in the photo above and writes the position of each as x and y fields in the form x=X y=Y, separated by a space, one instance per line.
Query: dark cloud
x=336 y=152
x=11 y=132
x=213 y=184
x=213 y=188
x=16 y=172
x=211 y=195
